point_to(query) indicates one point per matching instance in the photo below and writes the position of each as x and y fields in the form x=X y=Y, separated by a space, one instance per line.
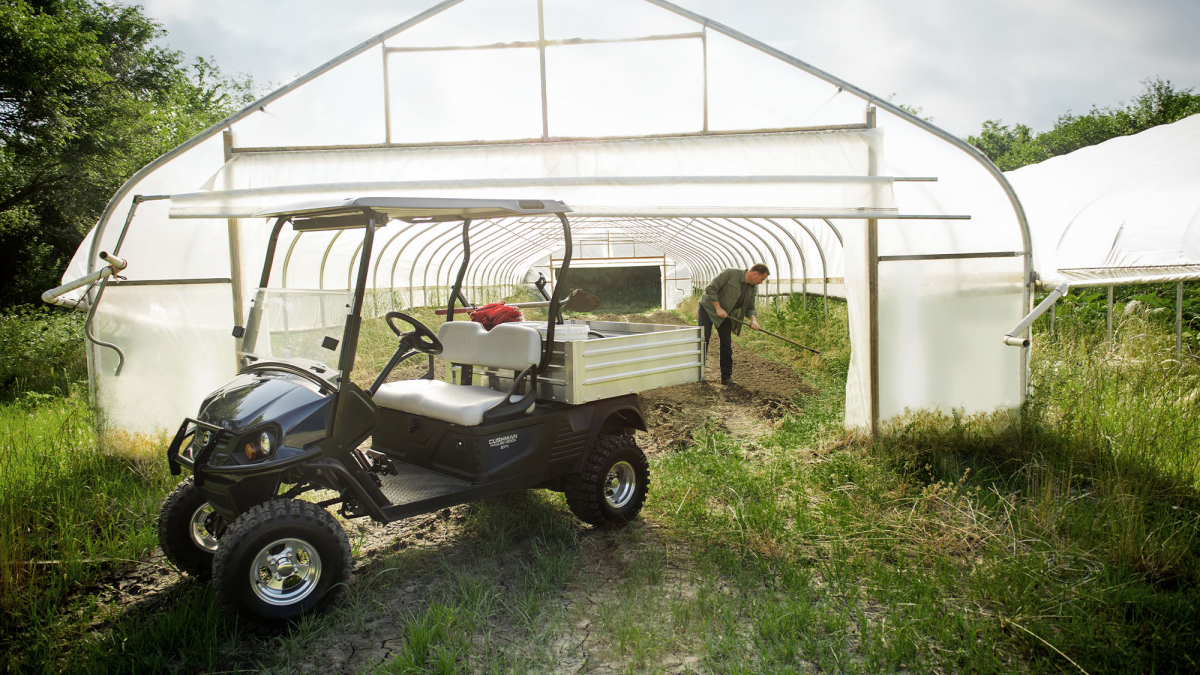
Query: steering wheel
x=423 y=339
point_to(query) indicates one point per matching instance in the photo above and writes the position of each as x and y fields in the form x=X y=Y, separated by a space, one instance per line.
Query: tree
x=1013 y=148
x=85 y=100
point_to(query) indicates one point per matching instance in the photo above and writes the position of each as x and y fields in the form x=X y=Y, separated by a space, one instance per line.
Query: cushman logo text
x=501 y=440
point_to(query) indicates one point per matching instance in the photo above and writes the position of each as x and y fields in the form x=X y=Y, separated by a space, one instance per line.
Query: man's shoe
x=728 y=382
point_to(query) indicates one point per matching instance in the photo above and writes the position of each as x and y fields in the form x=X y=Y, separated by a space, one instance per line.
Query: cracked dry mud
x=442 y=546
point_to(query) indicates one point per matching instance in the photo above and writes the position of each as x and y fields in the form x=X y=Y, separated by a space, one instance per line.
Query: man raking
x=730 y=295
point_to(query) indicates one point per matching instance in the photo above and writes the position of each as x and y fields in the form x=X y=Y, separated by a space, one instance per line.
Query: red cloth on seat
x=495 y=314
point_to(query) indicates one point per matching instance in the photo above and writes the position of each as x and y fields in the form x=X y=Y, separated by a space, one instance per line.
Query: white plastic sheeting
x=1123 y=211
x=655 y=124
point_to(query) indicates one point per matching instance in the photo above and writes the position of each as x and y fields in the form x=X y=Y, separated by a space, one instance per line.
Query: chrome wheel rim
x=285 y=572
x=620 y=484
x=201 y=537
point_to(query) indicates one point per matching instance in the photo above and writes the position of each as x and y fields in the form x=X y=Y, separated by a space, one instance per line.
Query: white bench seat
x=451 y=403
x=506 y=346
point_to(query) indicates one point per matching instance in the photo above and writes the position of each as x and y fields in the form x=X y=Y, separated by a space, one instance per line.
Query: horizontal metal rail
x=952 y=256
x=534 y=44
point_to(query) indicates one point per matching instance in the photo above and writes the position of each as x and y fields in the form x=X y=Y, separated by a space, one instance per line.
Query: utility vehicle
x=292 y=421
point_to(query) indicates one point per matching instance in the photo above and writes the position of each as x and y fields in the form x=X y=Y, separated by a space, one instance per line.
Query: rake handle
x=778 y=337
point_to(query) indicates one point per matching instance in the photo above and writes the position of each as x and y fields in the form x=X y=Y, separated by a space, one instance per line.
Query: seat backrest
x=509 y=346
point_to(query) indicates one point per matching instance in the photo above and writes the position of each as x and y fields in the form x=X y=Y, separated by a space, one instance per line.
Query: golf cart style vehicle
x=517 y=408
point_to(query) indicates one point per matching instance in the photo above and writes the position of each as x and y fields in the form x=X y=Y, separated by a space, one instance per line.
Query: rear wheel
x=282 y=559
x=613 y=484
x=188 y=530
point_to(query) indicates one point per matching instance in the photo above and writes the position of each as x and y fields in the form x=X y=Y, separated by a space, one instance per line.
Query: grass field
x=1062 y=539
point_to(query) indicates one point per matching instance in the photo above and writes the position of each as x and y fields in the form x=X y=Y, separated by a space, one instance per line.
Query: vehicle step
x=413 y=483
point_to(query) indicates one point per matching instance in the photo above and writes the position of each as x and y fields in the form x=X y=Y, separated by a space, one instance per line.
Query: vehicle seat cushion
x=453 y=403
x=508 y=345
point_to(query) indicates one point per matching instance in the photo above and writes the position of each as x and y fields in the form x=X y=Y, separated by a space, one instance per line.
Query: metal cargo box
x=629 y=358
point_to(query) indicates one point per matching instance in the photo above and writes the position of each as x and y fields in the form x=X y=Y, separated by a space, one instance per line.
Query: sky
x=960 y=61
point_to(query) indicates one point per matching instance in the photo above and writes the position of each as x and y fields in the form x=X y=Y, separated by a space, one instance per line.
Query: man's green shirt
x=725 y=289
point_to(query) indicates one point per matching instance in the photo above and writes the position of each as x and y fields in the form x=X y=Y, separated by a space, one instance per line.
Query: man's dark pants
x=724 y=336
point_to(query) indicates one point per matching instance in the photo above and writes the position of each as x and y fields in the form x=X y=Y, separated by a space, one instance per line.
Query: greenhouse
x=677 y=142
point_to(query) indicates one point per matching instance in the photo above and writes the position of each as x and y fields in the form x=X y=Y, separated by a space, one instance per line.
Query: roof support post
x=235 y=248
x=873 y=289
x=542 y=60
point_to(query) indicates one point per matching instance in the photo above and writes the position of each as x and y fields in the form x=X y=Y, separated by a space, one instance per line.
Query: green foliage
x=1012 y=148
x=86 y=99
x=41 y=350
x=1086 y=309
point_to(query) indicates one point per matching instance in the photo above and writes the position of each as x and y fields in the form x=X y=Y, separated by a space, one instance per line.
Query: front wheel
x=188 y=529
x=613 y=484
x=282 y=559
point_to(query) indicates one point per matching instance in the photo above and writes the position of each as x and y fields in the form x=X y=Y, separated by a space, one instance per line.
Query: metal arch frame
x=696 y=258
x=325 y=259
x=486 y=234
x=287 y=259
x=656 y=238
x=693 y=258
x=803 y=259
x=400 y=254
x=413 y=270
x=787 y=254
x=719 y=259
x=750 y=226
x=653 y=238
x=379 y=256
x=824 y=264
x=498 y=267
x=740 y=254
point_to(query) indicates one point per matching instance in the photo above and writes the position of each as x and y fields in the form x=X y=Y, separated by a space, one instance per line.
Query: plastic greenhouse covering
x=674 y=139
x=1121 y=212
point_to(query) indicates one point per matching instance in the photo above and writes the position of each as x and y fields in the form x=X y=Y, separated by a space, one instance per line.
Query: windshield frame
x=349 y=340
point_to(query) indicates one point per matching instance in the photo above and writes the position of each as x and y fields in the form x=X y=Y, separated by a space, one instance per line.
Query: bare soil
x=765 y=390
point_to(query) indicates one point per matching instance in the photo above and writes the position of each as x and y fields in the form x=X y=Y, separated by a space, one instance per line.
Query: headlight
x=260 y=447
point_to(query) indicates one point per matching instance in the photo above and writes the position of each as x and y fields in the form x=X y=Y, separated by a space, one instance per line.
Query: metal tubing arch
x=491 y=270
x=491 y=231
x=383 y=249
x=799 y=250
x=712 y=261
x=287 y=258
x=499 y=265
x=400 y=254
x=325 y=258
x=774 y=259
x=726 y=237
x=728 y=256
x=791 y=263
x=693 y=257
x=824 y=263
x=441 y=238
x=454 y=256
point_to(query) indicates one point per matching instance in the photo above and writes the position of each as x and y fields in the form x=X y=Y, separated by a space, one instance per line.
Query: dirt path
x=446 y=541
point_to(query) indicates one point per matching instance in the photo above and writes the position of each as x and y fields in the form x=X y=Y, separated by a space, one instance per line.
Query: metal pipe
x=1108 y=315
x=1179 y=318
x=1010 y=338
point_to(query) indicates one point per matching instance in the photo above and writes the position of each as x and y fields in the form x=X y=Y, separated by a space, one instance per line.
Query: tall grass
x=68 y=511
x=1062 y=537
